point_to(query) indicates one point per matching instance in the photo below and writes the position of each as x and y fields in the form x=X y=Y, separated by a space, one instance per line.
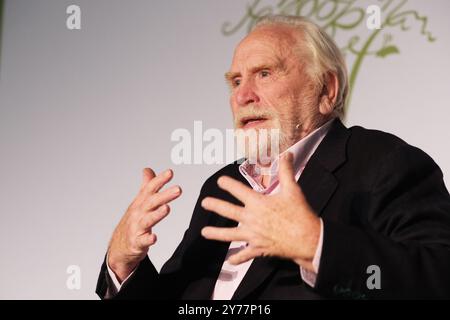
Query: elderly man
x=348 y=213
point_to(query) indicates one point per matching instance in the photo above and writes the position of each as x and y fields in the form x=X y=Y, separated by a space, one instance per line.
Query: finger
x=223 y=234
x=159 y=181
x=236 y=188
x=146 y=240
x=244 y=255
x=223 y=208
x=147 y=175
x=286 y=172
x=153 y=217
x=160 y=198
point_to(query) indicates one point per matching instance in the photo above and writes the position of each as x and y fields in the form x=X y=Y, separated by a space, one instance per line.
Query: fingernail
x=176 y=190
x=220 y=180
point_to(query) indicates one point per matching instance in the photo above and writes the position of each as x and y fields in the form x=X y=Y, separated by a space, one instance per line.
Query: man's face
x=269 y=85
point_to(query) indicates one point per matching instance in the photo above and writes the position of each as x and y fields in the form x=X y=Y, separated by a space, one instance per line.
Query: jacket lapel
x=204 y=286
x=318 y=184
x=259 y=270
x=317 y=181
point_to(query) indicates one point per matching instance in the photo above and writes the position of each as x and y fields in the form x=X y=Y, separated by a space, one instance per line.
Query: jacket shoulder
x=372 y=146
x=231 y=170
x=376 y=140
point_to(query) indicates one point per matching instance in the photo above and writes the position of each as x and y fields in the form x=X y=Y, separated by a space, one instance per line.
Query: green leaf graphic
x=383 y=52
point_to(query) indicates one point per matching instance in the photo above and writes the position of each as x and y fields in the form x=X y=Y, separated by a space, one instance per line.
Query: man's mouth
x=252 y=121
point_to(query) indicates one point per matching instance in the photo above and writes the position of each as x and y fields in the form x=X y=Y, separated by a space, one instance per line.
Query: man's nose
x=246 y=95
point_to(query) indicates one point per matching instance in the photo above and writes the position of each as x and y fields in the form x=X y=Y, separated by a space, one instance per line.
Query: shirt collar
x=301 y=150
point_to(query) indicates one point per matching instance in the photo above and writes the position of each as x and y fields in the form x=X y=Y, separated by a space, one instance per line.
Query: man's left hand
x=281 y=225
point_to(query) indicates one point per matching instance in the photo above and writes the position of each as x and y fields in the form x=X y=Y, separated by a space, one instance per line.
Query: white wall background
x=82 y=112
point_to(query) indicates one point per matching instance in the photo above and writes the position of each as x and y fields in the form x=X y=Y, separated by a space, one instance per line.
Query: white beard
x=262 y=146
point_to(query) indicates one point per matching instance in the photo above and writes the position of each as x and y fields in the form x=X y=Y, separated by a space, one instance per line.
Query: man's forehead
x=271 y=35
x=266 y=42
x=277 y=39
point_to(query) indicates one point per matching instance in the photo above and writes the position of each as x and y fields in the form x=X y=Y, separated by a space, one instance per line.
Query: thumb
x=286 y=171
x=147 y=175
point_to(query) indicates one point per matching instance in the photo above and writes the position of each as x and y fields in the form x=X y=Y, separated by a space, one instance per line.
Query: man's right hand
x=133 y=235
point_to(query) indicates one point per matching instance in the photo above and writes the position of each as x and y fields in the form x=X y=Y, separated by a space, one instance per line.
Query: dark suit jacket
x=382 y=201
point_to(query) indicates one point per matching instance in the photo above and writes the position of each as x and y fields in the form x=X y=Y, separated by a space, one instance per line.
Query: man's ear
x=329 y=93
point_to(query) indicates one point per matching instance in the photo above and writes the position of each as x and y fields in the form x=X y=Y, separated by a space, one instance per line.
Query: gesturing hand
x=133 y=235
x=281 y=225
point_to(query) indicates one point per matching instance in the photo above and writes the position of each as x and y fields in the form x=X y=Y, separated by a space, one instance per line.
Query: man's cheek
x=234 y=106
x=276 y=97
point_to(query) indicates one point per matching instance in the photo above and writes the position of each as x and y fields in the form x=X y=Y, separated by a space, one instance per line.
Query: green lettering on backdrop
x=343 y=16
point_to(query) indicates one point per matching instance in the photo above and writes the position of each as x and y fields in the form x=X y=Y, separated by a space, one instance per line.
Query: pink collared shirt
x=230 y=275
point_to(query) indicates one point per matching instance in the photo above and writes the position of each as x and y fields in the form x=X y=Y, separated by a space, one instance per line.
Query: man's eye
x=264 y=73
x=236 y=82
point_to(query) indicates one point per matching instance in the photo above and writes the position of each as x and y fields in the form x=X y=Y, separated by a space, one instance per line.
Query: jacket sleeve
x=146 y=282
x=405 y=236
x=138 y=286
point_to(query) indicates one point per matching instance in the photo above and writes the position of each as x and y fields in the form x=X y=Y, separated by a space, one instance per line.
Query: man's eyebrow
x=270 y=66
x=229 y=76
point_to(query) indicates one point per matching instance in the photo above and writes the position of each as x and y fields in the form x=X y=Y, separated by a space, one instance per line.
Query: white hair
x=324 y=55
